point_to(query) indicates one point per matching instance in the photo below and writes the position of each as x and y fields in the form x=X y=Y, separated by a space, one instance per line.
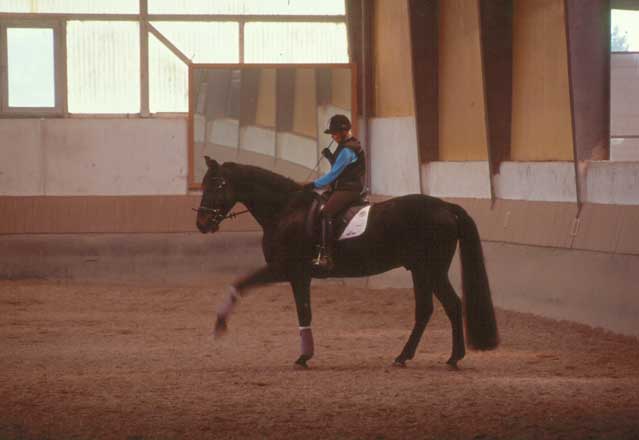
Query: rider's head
x=339 y=127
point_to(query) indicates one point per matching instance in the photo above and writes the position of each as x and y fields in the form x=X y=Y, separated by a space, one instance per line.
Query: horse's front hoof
x=220 y=327
x=300 y=363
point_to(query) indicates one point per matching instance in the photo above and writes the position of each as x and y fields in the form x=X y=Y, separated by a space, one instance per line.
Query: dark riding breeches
x=339 y=201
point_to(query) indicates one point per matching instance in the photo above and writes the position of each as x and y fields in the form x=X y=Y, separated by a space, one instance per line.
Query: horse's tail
x=481 y=326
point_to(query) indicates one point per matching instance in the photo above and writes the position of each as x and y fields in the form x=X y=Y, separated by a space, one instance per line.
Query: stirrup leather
x=324 y=259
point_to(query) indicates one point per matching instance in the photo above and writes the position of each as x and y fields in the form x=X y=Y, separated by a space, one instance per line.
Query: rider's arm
x=345 y=158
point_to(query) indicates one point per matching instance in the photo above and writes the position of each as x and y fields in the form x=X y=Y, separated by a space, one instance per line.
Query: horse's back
x=414 y=209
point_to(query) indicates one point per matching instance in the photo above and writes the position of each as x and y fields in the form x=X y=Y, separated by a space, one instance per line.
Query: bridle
x=217 y=213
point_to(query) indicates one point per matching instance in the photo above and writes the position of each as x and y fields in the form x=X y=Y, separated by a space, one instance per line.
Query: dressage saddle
x=313 y=221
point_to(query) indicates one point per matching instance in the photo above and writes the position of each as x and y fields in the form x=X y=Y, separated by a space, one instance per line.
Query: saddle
x=341 y=221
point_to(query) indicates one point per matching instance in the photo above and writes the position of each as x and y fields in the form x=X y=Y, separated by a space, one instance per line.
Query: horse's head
x=218 y=198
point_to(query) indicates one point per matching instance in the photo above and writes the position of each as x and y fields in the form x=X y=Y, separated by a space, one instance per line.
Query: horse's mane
x=268 y=180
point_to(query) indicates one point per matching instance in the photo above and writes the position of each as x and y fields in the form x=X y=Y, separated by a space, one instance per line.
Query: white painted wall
x=612 y=183
x=81 y=156
x=92 y=156
x=541 y=181
x=393 y=149
x=456 y=179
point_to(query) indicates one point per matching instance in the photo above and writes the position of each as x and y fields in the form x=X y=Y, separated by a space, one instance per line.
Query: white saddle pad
x=357 y=225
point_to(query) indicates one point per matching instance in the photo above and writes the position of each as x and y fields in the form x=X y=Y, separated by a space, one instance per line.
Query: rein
x=318 y=162
x=216 y=212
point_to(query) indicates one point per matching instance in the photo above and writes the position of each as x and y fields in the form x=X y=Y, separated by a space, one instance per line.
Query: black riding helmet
x=338 y=123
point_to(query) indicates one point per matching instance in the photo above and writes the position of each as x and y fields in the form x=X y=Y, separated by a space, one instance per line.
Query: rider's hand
x=308 y=187
x=327 y=153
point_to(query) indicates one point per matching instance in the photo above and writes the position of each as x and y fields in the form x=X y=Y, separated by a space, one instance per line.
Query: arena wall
x=106 y=199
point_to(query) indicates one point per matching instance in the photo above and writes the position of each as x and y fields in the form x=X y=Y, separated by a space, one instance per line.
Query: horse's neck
x=264 y=213
x=264 y=203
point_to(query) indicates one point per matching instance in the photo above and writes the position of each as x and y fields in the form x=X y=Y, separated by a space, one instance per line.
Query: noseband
x=217 y=215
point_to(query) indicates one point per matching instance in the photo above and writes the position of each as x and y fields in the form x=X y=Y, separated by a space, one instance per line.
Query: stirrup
x=323 y=260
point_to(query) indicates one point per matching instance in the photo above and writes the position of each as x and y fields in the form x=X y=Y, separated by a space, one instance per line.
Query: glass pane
x=295 y=43
x=31 y=67
x=241 y=7
x=213 y=42
x=624 y=31
x=71 y=6
x=257 y=118
x=216 y=116
x=103 y=67
x=334 y=97
x=297 y=147
x=168 y=79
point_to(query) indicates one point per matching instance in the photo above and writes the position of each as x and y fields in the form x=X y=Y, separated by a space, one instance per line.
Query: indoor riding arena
x=160 y=223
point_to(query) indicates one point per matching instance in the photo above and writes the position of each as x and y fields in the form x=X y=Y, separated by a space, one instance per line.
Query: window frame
x=59 y=68
x=58 y=22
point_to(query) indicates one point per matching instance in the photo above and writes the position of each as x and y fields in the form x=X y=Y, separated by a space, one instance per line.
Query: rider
x=345 y=181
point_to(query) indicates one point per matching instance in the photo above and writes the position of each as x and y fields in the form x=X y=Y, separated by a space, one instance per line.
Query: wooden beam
x=424 y=37
x=177 y=52
x=496 y=28
x=588 y=40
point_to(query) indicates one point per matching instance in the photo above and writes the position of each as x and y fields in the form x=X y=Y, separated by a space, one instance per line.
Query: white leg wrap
x=227 y=307
x=307 y=343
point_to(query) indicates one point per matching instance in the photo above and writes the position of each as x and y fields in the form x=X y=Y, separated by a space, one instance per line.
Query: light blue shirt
x=344 y=159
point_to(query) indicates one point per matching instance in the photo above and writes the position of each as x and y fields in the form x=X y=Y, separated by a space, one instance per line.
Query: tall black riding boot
x=324 y=258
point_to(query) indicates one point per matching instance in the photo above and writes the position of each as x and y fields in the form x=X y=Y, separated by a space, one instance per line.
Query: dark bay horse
x=417 y=232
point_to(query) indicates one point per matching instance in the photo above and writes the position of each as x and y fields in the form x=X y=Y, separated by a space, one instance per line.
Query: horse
x=417 y=232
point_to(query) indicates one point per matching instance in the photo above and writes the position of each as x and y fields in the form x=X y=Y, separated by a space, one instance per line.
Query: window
x=30 y=84
x=103 y=67
x=281 y=42
x=31 y=80
x=168 y=80
x=204 y=42
x=71 y=6
x=624 y=31
x=246 y=7
x=76 y=57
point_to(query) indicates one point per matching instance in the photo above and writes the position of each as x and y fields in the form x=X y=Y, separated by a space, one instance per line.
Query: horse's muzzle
x=207 y=227
x=207 y=220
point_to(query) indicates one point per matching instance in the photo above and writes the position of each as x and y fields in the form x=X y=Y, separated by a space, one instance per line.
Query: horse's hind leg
x=423 y=286
x=452 y=305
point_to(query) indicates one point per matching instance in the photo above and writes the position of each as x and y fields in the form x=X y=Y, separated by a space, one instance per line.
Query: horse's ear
x=211 y=163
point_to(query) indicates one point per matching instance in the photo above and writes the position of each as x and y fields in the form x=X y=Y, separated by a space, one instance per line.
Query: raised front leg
x=301 y=285
x=260 y=277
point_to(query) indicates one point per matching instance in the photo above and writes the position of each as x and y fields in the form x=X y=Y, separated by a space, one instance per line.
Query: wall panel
x=462 y=131
x=541 y=128
x=392 y=72
x=107 y=214
x=304 y=115
x=266 y=99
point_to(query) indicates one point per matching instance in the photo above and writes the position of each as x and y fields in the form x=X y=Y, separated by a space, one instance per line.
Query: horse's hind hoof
x=452 y=364
x=399 y=363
